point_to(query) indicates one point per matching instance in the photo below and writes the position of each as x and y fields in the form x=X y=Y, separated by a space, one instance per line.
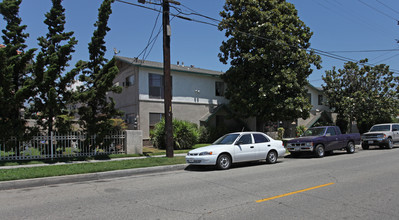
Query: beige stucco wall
x=128 y=100
x=182 y=111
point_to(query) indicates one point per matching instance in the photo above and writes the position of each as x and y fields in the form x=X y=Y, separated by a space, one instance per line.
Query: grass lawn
x=80 y=168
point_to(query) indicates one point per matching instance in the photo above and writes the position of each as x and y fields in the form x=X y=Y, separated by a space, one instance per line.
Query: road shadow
x=380 y=148
x=209 y=168
x=311 y=155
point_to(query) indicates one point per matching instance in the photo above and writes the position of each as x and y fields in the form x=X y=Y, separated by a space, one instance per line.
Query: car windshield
x=381 y=128
x=227 y=139
x=314 y=132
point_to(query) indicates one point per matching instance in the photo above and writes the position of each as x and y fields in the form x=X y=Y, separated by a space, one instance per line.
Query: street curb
x=19 y=184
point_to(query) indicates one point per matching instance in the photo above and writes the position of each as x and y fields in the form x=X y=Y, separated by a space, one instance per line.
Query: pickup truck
x=322 y=140
x=382 y=135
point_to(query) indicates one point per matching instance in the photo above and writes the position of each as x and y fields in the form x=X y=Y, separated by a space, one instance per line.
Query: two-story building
x=197 y=96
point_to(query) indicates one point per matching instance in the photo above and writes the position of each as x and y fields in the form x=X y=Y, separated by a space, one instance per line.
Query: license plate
x=370 y=142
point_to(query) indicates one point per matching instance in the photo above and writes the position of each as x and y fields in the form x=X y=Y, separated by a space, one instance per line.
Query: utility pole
x=167 y=80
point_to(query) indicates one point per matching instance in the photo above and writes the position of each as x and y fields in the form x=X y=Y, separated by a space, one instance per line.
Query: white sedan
x=237 y=147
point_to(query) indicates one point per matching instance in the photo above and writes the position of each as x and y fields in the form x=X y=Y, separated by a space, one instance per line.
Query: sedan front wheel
x=223 y=162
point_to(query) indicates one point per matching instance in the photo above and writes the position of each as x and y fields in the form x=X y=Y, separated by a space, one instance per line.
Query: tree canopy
x=14 y=71
x=268 y=49
x=97 y=77
x=50 y=82
x=361 y=93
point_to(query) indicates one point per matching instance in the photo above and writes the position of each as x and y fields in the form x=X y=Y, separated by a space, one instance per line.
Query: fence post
x=133 y=142
x=51 y=145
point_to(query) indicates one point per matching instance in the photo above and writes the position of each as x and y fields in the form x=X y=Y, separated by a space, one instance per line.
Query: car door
x=332 y=139
x=395 y=133
x=262 y=145
x=244 y=149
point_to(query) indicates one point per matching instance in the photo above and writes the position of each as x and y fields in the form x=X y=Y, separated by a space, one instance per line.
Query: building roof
x=176 y=68
x=316 y=88
x=179 y=68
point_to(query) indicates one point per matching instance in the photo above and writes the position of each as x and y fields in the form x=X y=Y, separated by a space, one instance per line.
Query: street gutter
x=37 y=182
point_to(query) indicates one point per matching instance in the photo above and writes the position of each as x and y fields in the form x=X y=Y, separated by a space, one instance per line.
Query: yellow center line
x=292 y=193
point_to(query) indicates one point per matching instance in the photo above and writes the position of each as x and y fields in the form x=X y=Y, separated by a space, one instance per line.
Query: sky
x=350 y=29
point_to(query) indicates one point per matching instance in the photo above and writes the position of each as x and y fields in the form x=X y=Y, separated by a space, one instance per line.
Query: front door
x=332 y=140
x=244 y=149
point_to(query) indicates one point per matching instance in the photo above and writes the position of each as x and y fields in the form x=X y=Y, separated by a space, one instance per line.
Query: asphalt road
x=364 y=185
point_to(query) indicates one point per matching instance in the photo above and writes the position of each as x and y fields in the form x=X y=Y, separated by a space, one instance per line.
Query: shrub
x=204 y=134
x=300 y=130
x=280 y=133
x=185 y=134
x=7 y=154
x=70 y=151
x=118 y=124
x=31 y=151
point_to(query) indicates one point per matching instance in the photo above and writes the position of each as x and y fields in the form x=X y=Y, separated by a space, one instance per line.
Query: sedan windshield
x=381 y=128
x=314 y=132
x=227 y=139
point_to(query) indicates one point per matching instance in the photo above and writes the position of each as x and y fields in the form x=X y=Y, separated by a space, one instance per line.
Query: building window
x=156 y=86
x=129 y=81
x=130 y=118
x=310 y=98
x=219 y=88
x=155 y=118
x=320 y=100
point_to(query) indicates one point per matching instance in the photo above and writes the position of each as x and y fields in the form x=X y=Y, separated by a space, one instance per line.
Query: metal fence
x=74 y=144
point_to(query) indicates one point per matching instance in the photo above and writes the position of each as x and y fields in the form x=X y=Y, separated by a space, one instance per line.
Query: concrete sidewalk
x=37 y=182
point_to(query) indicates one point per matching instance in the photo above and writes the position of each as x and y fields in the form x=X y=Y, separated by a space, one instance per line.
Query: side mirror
x=328 y=134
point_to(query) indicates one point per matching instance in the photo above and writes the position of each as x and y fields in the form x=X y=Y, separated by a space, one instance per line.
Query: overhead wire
x=364 y=51
x=386 y=59
x=317 y=51
x=149 y=39
x=387 y=6
x=379 y=11
x=353 y=16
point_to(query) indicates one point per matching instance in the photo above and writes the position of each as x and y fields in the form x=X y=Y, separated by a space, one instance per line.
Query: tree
x=14 y=73
x=268 y=48
x=51 y=85
x=367 y=95
x=97 y=77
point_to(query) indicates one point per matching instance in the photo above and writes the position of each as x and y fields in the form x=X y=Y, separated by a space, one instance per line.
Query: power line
x=141 y=6
x=317 y=51
x=388 y=6
x=386 y=59
x=195 y=13
x=363 y=51
x=353 y=16
x=379 y=11
x=149 y=39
